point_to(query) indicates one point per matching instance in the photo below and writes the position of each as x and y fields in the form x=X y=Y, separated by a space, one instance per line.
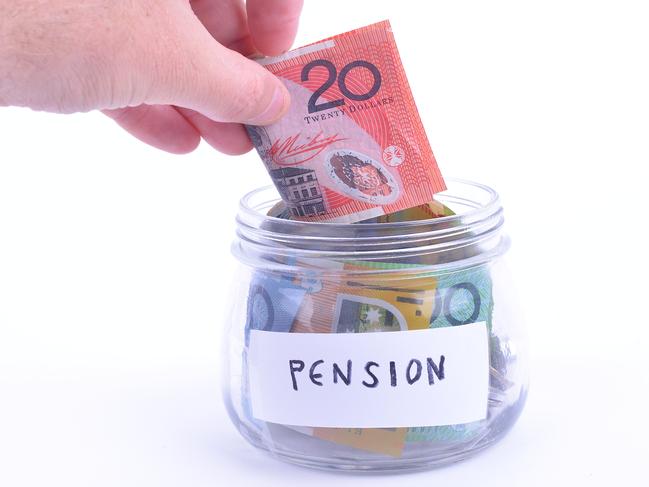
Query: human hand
x=167 y=71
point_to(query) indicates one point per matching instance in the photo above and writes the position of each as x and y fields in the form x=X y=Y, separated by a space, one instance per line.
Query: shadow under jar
x=374 y=346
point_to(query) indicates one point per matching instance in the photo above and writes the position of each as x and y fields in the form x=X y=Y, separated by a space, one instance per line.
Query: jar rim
x=493 y=200
x=480 y=219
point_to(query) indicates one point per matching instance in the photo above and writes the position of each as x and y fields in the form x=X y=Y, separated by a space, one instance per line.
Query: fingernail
x=274 y=110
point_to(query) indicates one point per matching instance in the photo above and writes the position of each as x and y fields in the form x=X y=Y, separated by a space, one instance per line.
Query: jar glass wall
x=319 y=278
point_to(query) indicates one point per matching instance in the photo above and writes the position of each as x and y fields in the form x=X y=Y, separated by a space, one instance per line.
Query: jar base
x=382 y=466
x=425 y=456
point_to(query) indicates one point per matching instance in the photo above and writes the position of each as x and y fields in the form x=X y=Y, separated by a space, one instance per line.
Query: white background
x=114 y=259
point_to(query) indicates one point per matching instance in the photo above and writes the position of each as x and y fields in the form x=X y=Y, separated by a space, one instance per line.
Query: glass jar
x=311 y=377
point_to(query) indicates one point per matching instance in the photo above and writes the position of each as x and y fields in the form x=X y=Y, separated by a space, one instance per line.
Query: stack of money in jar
x=352 y=149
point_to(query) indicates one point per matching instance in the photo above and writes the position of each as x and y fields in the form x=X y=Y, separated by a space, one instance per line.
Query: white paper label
x=430 y=377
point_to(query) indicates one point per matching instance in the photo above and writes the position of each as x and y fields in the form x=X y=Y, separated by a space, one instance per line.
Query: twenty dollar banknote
x=352 y=145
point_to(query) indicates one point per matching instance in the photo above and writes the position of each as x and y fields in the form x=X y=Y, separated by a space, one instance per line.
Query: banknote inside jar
x=307 y=303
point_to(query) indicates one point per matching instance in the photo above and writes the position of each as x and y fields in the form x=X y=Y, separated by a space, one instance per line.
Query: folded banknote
x=352 y=145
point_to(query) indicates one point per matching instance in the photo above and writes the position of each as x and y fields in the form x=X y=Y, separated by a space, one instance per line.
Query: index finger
x=273 y=24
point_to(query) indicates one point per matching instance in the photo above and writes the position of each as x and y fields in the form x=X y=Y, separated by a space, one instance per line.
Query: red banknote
x=352 y=145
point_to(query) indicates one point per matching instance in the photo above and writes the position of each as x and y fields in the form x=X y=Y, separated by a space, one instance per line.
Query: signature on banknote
x=297 y=149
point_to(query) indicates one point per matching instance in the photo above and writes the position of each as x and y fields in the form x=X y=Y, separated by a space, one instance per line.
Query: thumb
x=201 y=74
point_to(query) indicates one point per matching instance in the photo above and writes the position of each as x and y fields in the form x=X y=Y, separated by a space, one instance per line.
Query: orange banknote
x=352 y=145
